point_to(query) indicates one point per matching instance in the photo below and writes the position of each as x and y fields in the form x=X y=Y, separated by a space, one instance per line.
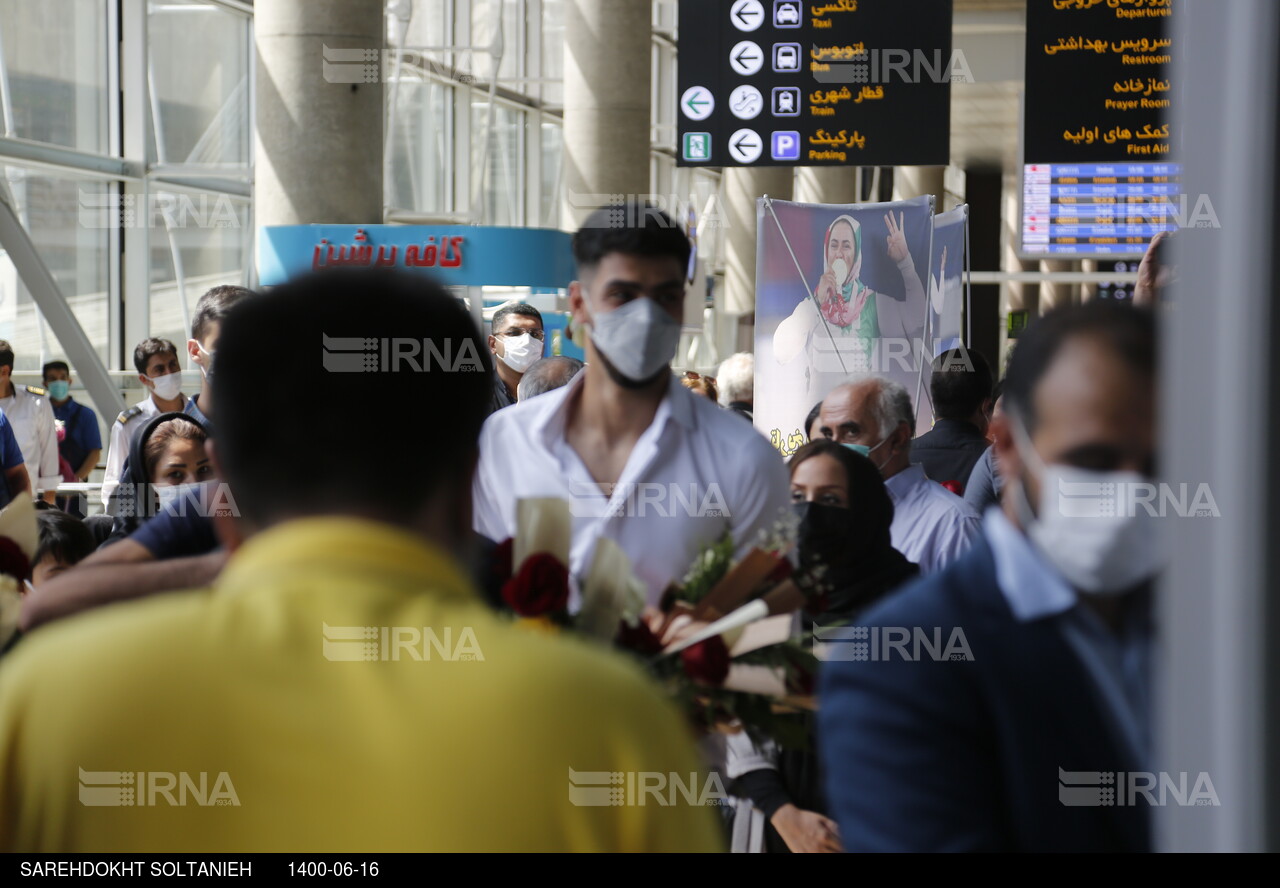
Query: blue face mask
x=864 y=449
x=59 y=389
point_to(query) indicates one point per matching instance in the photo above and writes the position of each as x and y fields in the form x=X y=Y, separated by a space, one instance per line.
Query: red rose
x=638 y=638
x=501 y=564
x=13 y=562
x=707 y=662
x=954 y=486
x=541 y=586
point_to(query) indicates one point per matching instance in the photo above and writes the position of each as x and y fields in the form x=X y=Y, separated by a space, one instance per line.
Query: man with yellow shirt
x=340 y=687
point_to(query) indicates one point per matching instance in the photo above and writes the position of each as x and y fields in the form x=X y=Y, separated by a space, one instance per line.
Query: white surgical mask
x=520 y=352
x=167 y=387
x=638 y=338
x=1077 y=528
x=169 y=493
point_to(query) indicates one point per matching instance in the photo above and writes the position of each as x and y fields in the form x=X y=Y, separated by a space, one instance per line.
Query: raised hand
x=896 y=242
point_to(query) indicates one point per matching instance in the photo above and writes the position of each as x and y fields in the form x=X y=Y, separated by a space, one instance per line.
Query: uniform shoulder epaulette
x=35 y=390
x=128 y=414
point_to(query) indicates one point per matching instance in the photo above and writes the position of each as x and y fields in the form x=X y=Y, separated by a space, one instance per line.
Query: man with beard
x=640 y=459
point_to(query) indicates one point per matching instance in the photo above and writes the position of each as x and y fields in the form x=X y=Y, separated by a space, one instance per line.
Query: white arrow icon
x=747 y=15
x=746 y=58
x=745 y=146
x=697 y=103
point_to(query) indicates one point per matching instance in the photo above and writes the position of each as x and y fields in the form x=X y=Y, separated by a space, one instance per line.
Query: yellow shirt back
x=340 y=688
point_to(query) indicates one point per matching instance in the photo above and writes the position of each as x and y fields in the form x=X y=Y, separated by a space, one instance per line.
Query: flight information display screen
x=1099 y=176
x=1099 y=208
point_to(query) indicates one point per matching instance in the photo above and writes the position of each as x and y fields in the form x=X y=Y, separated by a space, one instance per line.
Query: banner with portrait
x=946 y=288
x=840 y=291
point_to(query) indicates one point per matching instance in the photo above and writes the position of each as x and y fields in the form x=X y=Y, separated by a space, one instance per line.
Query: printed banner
x=839 y=291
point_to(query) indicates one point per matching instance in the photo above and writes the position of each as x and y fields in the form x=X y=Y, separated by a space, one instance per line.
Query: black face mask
x=853 y=564
x=828 y=536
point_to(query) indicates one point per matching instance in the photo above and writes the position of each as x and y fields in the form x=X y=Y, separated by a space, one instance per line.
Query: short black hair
x=6 y=354
x=63 y=537
x=520 y=308
x=959 y=383
x=148 y=349
x=213 y=307
x=1129 y=331
x=54 y=365
x=407 y=331
x=633 y=228
x=811 y=419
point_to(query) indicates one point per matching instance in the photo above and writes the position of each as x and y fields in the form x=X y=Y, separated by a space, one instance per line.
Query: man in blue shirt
x=81 y=443
x=16 y=480
x=1027 y=725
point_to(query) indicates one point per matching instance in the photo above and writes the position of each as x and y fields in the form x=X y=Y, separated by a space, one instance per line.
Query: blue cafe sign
x=455 y=255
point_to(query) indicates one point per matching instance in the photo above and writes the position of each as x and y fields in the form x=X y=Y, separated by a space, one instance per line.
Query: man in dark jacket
x=961 y=391
x=1003 y=704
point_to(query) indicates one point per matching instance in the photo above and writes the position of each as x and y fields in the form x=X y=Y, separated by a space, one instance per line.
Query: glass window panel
x=207 y=232
x=200 y=82
x=502 y=189
x=69 y=221
x=53 y=65
x=552 y=157
x=419 y=175
x=484 y=30
x=553 y=51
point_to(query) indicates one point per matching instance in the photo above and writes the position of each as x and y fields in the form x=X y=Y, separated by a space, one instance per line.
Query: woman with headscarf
x=842 y=326
x=166 y=457
x=845 y=513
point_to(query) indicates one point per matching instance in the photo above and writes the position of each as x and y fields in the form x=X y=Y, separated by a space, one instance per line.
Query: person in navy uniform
x=12 y=467
x=81 y=444
x=30 y=414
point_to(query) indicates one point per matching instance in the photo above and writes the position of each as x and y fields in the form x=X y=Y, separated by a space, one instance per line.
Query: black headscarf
x=133 y=503
x=853 y=544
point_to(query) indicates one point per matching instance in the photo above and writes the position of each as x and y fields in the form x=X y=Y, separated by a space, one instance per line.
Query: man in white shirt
x=31 y=416
x=640 y=459
x=931 y=525
x=156 y=361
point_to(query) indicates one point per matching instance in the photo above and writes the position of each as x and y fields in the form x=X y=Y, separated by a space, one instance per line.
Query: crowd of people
x=294 y=524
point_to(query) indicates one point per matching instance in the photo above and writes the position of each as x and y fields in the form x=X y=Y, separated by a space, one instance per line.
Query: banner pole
x=968 y=293
x=928 y=317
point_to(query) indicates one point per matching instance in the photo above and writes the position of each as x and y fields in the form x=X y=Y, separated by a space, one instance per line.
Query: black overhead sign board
x=834 y=82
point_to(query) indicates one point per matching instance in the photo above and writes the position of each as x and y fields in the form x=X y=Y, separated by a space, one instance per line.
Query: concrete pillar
x=318 y=135
x=915 y=181
x=741 y=187
x=827 y=185
x=607 y=72
x=1055 y=295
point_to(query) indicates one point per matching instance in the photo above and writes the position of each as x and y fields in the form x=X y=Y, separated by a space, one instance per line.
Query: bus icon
x=786 y=58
